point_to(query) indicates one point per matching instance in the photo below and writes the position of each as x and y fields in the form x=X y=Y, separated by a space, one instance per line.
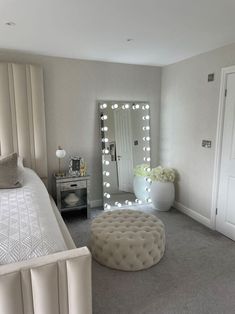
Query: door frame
x=218 y=143
x=131 y=139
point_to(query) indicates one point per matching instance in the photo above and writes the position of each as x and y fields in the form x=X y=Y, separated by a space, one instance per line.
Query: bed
x=28 y=225
x=41 y=270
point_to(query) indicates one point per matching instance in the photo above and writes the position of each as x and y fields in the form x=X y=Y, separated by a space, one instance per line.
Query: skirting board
x=96 y=203
x=191 y=213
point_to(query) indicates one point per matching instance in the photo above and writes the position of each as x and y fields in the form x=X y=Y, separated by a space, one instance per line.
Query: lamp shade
x=60 y=153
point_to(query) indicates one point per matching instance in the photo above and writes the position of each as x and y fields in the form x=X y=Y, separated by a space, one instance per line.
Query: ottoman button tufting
x=132 y=240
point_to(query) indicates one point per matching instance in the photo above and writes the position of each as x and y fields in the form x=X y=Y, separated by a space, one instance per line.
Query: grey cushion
x=127 y=239
x=9 y=177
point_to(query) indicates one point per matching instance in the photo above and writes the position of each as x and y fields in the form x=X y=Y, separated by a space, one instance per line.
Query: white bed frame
x=54 y=284
x=59 y=283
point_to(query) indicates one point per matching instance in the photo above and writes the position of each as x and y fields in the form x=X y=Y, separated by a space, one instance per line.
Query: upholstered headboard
x=22 y=115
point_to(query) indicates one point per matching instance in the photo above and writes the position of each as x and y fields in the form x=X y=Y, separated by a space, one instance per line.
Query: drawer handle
x=72 y=185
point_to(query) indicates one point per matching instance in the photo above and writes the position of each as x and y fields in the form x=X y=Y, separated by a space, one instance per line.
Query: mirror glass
x=125 y=136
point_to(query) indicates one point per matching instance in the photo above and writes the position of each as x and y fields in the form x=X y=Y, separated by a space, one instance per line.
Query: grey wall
x=189 y=108
x=71 y=90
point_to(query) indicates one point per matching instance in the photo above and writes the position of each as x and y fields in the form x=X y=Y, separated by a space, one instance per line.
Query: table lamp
x=60 y=154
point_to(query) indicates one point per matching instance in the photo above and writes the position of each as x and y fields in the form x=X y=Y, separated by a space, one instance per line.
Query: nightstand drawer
x=74 y=185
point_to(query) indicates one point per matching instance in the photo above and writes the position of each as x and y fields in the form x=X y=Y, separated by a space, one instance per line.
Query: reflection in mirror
x=125 y=135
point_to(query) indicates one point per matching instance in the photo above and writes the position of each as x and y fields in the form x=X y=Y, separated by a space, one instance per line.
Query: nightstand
x=72 y=193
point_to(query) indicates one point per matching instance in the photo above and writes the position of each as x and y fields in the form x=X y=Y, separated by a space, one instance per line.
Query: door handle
x=119 y=157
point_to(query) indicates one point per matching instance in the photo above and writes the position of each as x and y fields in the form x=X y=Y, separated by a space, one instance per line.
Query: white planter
x=139 y=186
x=162 y=195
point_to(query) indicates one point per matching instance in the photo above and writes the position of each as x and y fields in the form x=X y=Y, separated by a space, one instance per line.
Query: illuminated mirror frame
x=125 y=105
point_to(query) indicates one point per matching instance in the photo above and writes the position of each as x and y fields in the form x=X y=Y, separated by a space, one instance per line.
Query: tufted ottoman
x=127 y=239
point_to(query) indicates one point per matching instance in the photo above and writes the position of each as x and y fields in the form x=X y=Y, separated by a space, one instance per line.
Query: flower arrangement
x=162 y=174
x=141 y=170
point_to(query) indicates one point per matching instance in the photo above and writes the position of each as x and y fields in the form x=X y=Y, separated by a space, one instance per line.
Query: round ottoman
x=127 y=239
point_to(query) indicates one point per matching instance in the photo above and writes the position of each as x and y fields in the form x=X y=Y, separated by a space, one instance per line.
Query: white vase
x=140 y=184
x=162 y=195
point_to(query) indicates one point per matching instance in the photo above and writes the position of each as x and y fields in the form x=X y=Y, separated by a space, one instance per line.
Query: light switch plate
x=211 y=77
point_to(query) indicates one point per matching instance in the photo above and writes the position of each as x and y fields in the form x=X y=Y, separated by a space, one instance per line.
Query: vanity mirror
x=125 y=136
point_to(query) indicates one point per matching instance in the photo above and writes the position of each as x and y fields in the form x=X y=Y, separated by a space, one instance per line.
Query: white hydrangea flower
x=162 y=174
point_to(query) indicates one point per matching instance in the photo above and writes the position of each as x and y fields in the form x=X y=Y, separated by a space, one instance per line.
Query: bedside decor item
x=71 y=199
x=77 y=166
x=141 y=182
x=162 y=188
x=74 y=166
x=72 y=193
x=128 y=240
x=83 y=168
x=60 y=154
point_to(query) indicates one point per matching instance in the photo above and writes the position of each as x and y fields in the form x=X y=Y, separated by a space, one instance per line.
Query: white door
x=123 y=135
x=225 y=219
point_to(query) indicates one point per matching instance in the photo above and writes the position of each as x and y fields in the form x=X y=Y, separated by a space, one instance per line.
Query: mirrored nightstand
x=72 y=193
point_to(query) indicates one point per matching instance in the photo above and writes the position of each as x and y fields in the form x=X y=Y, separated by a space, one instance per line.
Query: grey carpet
x=196 y=274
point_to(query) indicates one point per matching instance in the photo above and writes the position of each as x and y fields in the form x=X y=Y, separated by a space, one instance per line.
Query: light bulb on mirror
x=118 y=204
x=106 y=184
x=105 y=140
x=103 y=106
x=147 y=159
x=147 y=189
x=106 y=173
x=115 y=106
x=146 y=138
x=105 y=151
x=148 y=180
x=147 y=107
x=146 y=128
x=107 y=206
x=107 y=195
x=104 y=129
x=106 y=162
x=146 y=149
x=104 y=117
x=125 y=106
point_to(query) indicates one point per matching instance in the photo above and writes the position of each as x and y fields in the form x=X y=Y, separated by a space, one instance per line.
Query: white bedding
x=28 y=226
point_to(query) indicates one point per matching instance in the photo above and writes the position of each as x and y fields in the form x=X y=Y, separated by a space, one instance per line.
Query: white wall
x=71 y=90
x=189 y=109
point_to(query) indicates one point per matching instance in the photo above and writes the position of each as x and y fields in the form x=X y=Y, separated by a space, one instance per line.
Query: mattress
x=28 y=225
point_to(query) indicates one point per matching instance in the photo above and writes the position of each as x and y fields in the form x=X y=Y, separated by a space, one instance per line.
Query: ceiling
x=163 y=31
